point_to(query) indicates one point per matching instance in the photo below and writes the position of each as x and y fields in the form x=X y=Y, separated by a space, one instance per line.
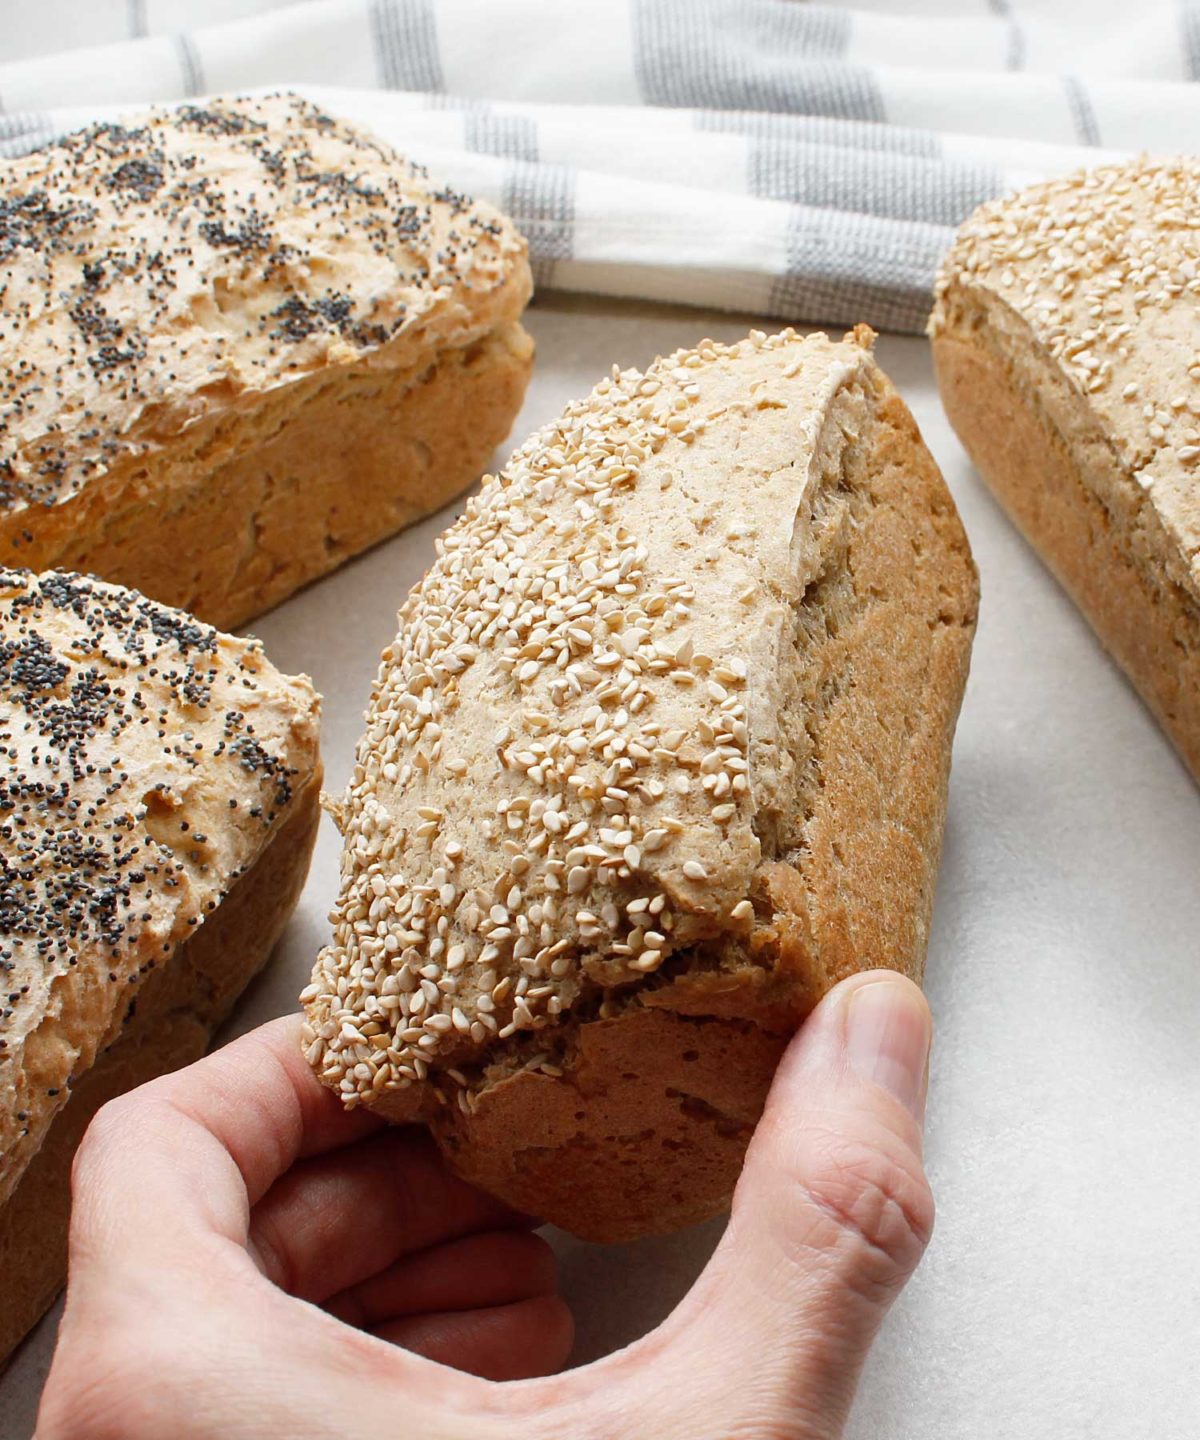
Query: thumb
x=830 y=1218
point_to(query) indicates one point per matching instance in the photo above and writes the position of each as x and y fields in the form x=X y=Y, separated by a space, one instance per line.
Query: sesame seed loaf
x=239 y=344
x=158 y=804
x=658 y=755
x=1065 y=340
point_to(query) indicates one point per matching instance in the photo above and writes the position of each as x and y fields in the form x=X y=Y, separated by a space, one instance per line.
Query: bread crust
x=644 y=1131
x=1148 y=622
x=158 y=801
x=579 y=958
x=646 y=1128
x=1064 y=342
x=287 y=491
x=178 y=1010
x=146 y=762
x=218 y=388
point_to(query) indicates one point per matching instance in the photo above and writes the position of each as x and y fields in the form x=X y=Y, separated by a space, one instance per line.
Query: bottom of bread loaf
x=1109 y=562
x=601 y=1152
x=177 y=1011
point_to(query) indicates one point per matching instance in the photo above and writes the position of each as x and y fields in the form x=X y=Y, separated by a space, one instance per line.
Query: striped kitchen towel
x=804 y=161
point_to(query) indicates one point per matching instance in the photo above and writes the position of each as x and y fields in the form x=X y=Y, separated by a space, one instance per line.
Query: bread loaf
x=158 y=805
x=1065 y=339
x=239 y=344
x=659 y=754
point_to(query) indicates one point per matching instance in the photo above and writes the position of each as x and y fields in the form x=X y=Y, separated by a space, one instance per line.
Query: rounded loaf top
x=154 y=270
x=1103 y=267
x=555 y=792
x=145 y=762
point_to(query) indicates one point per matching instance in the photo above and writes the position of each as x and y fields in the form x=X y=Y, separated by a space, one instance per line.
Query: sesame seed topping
x=572 y=645
x=1104 y=267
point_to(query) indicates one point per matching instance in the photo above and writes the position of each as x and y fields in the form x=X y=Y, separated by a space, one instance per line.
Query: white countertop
x=1061 y=1294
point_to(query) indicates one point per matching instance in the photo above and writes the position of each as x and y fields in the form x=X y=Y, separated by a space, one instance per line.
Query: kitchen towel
x=808 y=162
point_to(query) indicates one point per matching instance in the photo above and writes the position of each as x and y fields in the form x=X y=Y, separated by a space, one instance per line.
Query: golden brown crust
x=218 y=317
x=645 y=1127
x=896 y=660
x=158 y=804
x=1100 y=553
x=287 y=491
x=785 y=638
x=177 y=1011
x=1064 y=336
x=1090 y=282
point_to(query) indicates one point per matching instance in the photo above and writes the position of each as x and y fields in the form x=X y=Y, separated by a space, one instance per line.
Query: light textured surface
x=1058 y=1300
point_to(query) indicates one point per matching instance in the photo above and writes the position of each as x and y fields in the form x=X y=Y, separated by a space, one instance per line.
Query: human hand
x=247 y=1260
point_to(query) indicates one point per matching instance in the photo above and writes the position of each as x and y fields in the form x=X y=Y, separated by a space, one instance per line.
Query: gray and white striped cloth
x=804 y=161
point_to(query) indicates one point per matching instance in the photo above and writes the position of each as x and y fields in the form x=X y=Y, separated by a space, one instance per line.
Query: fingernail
x=888 y=1036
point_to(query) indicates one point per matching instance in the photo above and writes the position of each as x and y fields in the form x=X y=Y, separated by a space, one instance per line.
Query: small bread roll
x=658 y=754
x=1065 y=339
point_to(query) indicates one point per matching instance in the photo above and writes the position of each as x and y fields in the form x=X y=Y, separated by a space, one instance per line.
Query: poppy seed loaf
x=240 y=343
x=1065 y=341
x=659 y=754
x=158 y=805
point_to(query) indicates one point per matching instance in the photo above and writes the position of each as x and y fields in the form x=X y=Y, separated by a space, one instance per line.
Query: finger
x=496 y=1268
x=830 y=1218
x=183 y=1159
x=338 y=1219
x=506 y=1342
